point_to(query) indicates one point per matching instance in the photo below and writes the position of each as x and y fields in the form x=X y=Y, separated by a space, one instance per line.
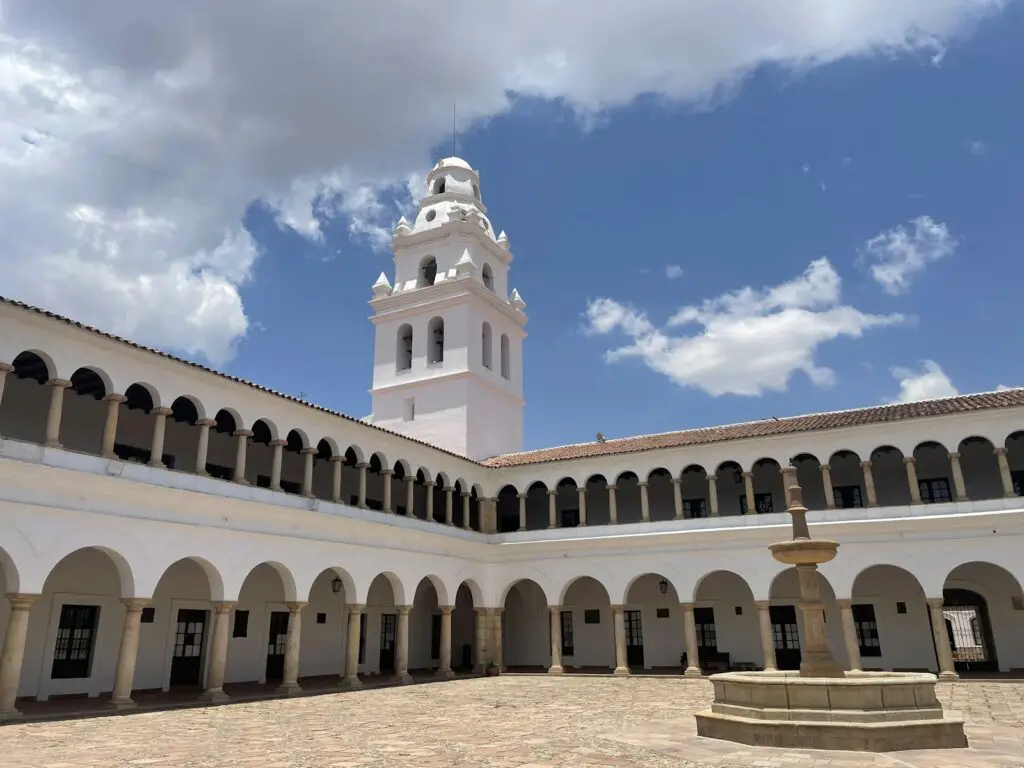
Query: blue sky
x=918 y=152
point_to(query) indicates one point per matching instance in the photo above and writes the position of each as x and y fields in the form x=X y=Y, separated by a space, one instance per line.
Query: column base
x=404 y=678
x=123 y=705
x=445 y=674
x=289 y=689
x=353 y=683
x=621 y=672
x=948 y=677
x=214 y=697
x=156 y=464
x=53 y=444
x=693 y=672
x=556 y=670
x=241 y=481
x=10 y=715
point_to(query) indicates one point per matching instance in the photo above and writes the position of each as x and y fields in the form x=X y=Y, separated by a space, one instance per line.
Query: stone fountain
x=821 y=706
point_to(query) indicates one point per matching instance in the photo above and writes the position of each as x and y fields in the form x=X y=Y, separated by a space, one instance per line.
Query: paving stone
x=512 y=721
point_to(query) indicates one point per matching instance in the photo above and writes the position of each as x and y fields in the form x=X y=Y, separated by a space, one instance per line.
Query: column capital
x=387 y=472
x=446 y=609
x=206 y=423
x=277 y=443
x=59 y=383
x=223 y=607
x=115 y=398
x=552 y=491
x=866 y=463
x=748 y=474
x=909 y=460
x=935 y=602
x=466 y=494
x=643 y=483
x=136 y=603
x=20 y=601
x=954 y=455
x=336 y=458
x=403 y=609
x=295 y=607
x=407 y=478
x=826 y=467
x=448 y=489
x=616 y=608
x=161 y=411
x=521 y=495
x=429 y=483
x=356 y=607
x=677 y=480
x=554 y=609
x=844 y=603
x=687 y=606
x=1000 y=450
x=242 y=433
x=5 y=368
x=362 y=465
x=763 y=605
x=612 y=487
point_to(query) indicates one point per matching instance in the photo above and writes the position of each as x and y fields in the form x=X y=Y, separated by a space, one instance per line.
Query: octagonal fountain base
x=864 y=711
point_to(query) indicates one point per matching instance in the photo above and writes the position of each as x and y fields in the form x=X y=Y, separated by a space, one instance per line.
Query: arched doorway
x=970 y=631
x=726 y=621
x=174 y=638
x=588 y=628
x=652 y=606
x=983 y=606
x=259 y=637
x=526 y=643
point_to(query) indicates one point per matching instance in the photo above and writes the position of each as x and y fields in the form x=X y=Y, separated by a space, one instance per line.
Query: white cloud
x=746 y=342
x=1003 y=388
x=977 y=147
x=925 y=383
x=135 y=135
x=673 y=271
x=899 y=255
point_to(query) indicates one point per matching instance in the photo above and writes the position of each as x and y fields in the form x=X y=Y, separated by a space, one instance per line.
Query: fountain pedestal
x=821 y=706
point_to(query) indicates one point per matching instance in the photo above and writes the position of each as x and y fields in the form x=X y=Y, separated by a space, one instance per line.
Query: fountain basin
x=864 y=711
x=804 y=551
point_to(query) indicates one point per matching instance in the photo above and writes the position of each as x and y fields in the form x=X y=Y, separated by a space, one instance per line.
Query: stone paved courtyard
x=522 y=721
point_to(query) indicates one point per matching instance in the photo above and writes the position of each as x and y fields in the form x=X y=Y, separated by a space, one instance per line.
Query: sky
x=719 y=212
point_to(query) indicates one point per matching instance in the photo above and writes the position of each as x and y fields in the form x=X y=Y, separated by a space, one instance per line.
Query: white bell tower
x=448 y=348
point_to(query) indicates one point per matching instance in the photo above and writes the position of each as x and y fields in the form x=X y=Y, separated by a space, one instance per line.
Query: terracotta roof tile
x=879 y=414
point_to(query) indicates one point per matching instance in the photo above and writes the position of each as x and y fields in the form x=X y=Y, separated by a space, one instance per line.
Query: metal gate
x=969 y=631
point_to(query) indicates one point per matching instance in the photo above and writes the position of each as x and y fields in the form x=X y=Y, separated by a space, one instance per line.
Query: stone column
x=713 y=495
x=362 y=466
x=156 y=446
x=13 y=655
x=849 y=634
x=445 y=670
x=915 y=489
x=410 y=496
x=645 y=504
x=692 y=651
x=337 y=465
x=582 y=493
x=1004 y=472
x=430 y=499
x=5 y=368
x=488 y=515
x=241 y=443
x=553 y=509
x=480 y=646
x=764 y=621
x=127 y=653
x=826 y=481
x=613 y=512
x=958 y=476
x=402 y=645
x=110 y=425
x=292 y=650
x=386 y=476
x=218 y=653
x=677 y=496
x=497 y=655
x=355 y=613
x=203 y=445
x=58 y=386
x=309 y=454
x=465 y=511
x=619 y=625
x=276 y=457
x=522 y=511
x=448 y=505
x=555 y=616
x=869 y=483
x=748 y=490
x=943 y=653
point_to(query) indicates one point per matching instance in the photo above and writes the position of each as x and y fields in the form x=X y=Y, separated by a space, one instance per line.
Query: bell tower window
x=403 y=359
x=506 y=357
x=486 y=346
x=428 y=272
x=488 y=277
x=435 y=333
x=439 y=188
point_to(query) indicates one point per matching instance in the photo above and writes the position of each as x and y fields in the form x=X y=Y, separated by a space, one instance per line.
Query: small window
x=409 y=409
x=148 y=615
x=435 y=336
x=901 y=608
x=867 y=630
x=662 y=613
x=935 y=490
x=321 y=618
x=428 y=272
x=592 y=616
x=431 y=215
x=694 y=508
x=763 y=503
x=506 y=357
x=848 y=496
x=476 y=191
x=568 y=647
x=403 y=352
x=739 y=610
x=440 y=187
x=488 y=277
x=486 y=336
x=241 y=627
x=76 y=634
